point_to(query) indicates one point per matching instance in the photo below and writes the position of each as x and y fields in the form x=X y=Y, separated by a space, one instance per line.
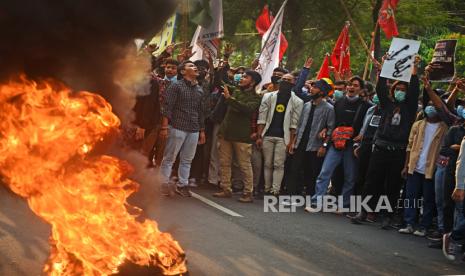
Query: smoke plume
x=83 y=43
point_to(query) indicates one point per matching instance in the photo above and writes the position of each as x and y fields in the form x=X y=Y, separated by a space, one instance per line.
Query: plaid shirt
x=183 y=106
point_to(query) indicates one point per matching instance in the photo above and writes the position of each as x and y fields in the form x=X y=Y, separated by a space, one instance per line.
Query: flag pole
x=357 y=31
x=367 y=64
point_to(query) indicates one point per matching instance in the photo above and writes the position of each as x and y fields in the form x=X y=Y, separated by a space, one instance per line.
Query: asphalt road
x=256 y=243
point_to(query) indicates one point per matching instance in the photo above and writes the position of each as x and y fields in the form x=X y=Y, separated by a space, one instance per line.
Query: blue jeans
x=333 y=158
x=439 y=181
x=416 y=183
x=458 y=234
x=184 y=143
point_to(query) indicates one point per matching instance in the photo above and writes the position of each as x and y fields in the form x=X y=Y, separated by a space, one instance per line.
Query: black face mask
x=285 y=86
x=275 y=79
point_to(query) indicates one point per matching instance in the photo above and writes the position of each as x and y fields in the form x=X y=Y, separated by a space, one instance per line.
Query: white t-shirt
x=430 y=130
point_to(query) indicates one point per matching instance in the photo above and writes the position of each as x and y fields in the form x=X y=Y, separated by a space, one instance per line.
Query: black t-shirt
x=276 y=128
x=304 y=140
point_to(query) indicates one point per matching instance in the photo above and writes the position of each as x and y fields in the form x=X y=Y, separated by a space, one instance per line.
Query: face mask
x=375 y=99
x=352 y=99
x=338 y=94
x=285 y=86
x=237 y=77
x=275 y=79
x=305 y=90
x=460 y=110
x=399 y=96
x=430 y=111
x=173 y=79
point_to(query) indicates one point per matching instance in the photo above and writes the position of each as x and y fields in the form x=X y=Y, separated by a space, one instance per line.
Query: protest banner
x=442 y=64
x=401 y=56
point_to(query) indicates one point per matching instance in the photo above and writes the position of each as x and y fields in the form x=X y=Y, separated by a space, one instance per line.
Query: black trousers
x=337 y=180
x=364 y=155
x=449 y=204
x=308 y=164
x=384 y=175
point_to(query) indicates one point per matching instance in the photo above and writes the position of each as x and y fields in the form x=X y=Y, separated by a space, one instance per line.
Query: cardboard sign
x=443 y=61
x=401 y=56
x=165 y=36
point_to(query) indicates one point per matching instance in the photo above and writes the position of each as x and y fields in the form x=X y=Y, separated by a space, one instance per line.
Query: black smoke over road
x=80 y=42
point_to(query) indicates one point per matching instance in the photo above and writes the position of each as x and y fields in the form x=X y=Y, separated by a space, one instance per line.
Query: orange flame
x=46 y=135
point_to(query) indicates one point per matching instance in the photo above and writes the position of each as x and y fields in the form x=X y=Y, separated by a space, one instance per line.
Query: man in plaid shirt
x=183 y=126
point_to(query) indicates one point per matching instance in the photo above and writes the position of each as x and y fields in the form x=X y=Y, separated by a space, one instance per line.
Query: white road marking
x=215 y=205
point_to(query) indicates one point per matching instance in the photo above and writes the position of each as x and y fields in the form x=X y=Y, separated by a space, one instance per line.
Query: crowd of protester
x=207 y=125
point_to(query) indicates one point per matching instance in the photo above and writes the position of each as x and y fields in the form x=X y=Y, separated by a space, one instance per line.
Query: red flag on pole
x=340 y=58
x=262 y=24
x=386 y=18
x=324 y=69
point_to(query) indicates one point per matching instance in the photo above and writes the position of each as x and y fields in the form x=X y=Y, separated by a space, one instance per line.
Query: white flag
x=269 y=56
x=207 y=39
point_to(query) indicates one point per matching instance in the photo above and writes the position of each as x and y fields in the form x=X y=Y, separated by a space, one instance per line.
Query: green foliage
x=312 y=27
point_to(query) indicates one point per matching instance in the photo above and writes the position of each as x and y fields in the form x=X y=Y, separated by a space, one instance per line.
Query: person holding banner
x=399 y=106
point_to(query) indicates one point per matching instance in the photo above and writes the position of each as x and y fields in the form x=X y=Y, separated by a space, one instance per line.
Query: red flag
x=324 y=69
x=386 y=18
x=263 y=23
x=340 y=58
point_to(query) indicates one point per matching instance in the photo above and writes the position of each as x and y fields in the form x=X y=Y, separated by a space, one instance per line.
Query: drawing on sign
x=400 y=58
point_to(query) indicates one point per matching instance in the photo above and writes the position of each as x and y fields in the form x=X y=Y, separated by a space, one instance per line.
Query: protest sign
x=398 y=65
x=442 y=64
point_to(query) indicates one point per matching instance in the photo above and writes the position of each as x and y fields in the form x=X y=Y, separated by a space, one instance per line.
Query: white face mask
x=305 y=90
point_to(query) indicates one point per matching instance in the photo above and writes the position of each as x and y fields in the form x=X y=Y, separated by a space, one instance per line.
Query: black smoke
x=75 y=41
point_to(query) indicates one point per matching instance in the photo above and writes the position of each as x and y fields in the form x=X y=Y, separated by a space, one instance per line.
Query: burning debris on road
x=48 y=131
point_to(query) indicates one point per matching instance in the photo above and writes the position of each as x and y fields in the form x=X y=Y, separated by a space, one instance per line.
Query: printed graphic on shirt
x=375 y=119
x=395 y=121
x=280 y=108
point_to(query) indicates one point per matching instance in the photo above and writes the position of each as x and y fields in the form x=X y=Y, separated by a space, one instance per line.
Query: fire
x=47 y=134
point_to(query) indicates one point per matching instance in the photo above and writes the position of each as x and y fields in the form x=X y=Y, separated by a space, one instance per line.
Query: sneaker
x=246 y=198
x=289 y=202
x=371 y=217
x=434 y=235
x=183 y=191
x=448 y=247
x=359 y=218
x=312 y=209
x=223 y=194
x=193 y=184
x=407 y=230
x=167 y=189
x=420 y=232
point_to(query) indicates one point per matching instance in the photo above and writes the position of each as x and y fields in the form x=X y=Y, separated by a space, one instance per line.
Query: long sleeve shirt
x=300 y=84
x=237 y=125
x=398 y=117
x=184 y=106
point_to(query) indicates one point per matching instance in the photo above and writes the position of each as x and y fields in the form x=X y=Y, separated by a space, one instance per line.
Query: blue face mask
x=462 y=114
x=399 y=95
x=173 y=79
x=305 y=90
x=338 y=94
x=430 y=111
x=237 y=77
x=375 y=99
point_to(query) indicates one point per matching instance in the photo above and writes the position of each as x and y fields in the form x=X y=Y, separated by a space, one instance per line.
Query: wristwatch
x=325 y=145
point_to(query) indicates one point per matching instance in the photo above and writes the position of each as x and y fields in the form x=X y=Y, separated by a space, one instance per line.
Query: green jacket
x=237 y=123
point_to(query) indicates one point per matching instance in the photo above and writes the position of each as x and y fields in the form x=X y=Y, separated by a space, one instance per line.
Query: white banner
x=206 y=39
x=401 y=56
x=269 y=56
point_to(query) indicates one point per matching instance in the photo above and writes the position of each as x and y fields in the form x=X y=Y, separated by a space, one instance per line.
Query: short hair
x=280 y=69
x=296 y=73
x=257 y=78
x=360 y=80
x=182 y=66
x=201 y=63
x=172 y=62
x=340 y=82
